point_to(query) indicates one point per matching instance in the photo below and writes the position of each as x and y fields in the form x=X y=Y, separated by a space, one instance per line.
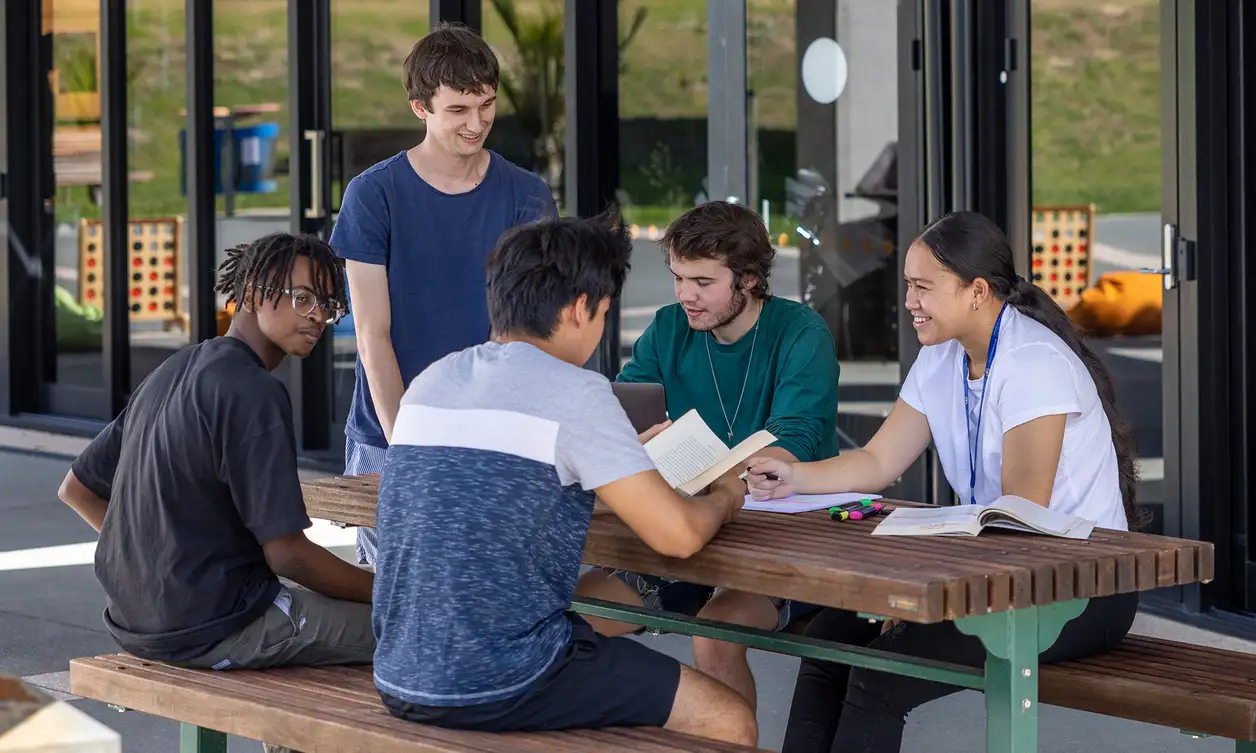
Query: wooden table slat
x=810 y=558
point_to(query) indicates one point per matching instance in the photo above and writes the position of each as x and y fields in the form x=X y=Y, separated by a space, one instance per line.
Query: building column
x=727 y=154
x=469 y=12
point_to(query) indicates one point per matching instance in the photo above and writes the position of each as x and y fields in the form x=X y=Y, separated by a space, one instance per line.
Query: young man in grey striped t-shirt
x=485 y=499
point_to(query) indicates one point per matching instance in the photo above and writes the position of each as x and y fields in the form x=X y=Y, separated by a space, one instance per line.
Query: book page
x=956 y=520
x=1040 y=519
x=682 y=451
x=739 y=454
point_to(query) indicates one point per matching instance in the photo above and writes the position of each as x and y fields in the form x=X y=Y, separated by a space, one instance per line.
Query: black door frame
x=310 y=382
x=1242 y=204
x=963 y=81
x=309 y=130
x=28 y=349
x=591 y=175
x=6 y=278
x=1207 y=383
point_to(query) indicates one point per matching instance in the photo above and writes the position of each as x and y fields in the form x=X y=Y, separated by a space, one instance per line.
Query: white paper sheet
x=804 y=502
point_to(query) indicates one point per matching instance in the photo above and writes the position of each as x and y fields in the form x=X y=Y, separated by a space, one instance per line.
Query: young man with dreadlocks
x=202 y=461
x=415 y=231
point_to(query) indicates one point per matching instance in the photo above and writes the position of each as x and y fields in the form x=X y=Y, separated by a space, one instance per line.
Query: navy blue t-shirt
x=435 y=246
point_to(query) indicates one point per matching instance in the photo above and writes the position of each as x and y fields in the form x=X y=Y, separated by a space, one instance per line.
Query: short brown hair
x=725 y=232
x=452 y=55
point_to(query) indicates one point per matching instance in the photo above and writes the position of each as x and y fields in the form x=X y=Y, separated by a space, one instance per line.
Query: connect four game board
x=1059 y=256
x=154 y=269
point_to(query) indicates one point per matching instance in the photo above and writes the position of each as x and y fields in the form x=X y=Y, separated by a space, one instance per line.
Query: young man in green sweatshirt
x=745 y=360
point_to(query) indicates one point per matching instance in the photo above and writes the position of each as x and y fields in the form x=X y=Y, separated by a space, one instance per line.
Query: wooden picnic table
x=1013 y=591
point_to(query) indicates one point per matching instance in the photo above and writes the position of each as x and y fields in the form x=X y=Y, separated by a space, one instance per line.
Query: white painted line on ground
x=1121 y=258
x=1150 y=355
x=41 y=441
x=71 y=555
x=66 y=555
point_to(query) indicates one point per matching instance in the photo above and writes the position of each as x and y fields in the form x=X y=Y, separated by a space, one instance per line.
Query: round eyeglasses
x=304 y=301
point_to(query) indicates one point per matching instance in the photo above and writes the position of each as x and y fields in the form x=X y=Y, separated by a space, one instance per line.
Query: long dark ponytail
x=972 y=246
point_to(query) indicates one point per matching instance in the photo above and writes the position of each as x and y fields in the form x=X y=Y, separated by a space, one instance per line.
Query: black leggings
x=873 y=706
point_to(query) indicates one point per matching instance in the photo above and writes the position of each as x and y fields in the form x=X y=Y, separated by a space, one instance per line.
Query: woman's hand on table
x=769 y=478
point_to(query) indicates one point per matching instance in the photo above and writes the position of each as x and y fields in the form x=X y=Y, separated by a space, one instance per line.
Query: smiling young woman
x=1015 y=403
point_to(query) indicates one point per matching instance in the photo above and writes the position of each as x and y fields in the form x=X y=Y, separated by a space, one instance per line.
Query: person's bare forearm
x=383 y=376
x=708 y=513
x=91 y=510
x=83 y=501
x=854 y=471
x=319 y=570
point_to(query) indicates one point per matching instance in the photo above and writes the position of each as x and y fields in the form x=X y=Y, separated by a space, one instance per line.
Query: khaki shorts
x=301 y=628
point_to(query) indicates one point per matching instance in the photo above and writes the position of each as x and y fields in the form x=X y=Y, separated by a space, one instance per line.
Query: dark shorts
x=595 y=682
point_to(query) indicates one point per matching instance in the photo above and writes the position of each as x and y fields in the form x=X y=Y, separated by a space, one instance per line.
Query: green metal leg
x=792 y=645
x=193 y=739
x=1013 y=640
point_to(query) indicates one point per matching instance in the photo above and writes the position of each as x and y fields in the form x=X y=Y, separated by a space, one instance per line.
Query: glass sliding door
x=1204 y=270
x=57 y=231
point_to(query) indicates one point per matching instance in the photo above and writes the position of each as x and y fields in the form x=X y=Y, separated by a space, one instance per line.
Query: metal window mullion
x=116 y=350
x=202 y=204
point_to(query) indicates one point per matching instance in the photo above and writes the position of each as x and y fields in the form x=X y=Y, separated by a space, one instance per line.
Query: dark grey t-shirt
x=199 y=471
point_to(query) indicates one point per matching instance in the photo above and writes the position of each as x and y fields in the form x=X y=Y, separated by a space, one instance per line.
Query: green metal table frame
x=1013 y=641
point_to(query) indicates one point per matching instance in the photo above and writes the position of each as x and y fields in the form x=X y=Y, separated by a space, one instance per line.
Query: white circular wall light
x=824 y=70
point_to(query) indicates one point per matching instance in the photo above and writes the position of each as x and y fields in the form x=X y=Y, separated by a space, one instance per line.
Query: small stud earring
x=974 y=305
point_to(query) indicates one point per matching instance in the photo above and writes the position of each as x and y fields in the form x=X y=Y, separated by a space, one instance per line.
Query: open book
x=689 y=455
x=1008 y=511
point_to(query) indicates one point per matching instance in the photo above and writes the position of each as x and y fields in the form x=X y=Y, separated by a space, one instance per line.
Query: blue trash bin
x=255 y=158
x=253 y=153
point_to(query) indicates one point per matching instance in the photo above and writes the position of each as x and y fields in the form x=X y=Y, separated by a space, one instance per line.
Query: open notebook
x=1008 y=511
x=796 y=503
x=689 y=455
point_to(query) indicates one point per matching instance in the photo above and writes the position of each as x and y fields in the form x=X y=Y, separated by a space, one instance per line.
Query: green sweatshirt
x=791 y=386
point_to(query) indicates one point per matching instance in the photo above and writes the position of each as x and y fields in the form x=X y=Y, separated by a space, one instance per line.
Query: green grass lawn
x=1095 y=116
x=1095 y=73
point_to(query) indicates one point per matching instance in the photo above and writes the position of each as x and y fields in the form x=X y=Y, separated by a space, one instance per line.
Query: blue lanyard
x=981 y=406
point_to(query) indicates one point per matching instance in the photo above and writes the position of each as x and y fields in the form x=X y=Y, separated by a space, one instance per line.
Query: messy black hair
x=265 y=267
x=542 y=267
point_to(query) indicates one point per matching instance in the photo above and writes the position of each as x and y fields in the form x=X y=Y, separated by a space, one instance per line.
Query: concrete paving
x=50 y=612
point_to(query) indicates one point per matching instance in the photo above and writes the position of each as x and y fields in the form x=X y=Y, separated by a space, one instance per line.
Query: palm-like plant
x=534 y=86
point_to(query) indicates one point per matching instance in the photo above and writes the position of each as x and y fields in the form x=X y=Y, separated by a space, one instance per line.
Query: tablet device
x=644 y=403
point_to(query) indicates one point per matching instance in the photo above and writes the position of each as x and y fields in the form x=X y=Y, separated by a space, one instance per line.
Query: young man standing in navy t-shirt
x=415 y=231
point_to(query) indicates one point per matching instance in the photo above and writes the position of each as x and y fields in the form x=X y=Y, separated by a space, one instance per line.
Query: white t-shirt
x=1034 y=374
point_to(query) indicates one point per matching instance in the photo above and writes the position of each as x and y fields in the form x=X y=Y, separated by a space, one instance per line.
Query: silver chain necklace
x=744 y=380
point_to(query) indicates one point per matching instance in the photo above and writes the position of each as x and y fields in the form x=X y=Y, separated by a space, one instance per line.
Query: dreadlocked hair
x=265 y=266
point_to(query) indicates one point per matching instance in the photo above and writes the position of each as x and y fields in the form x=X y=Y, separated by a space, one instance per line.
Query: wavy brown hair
x=725 y=232
x=452 y=55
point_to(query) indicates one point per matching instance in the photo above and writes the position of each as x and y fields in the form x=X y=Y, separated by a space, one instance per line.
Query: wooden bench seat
x=328 y=709
x=1194 y=688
